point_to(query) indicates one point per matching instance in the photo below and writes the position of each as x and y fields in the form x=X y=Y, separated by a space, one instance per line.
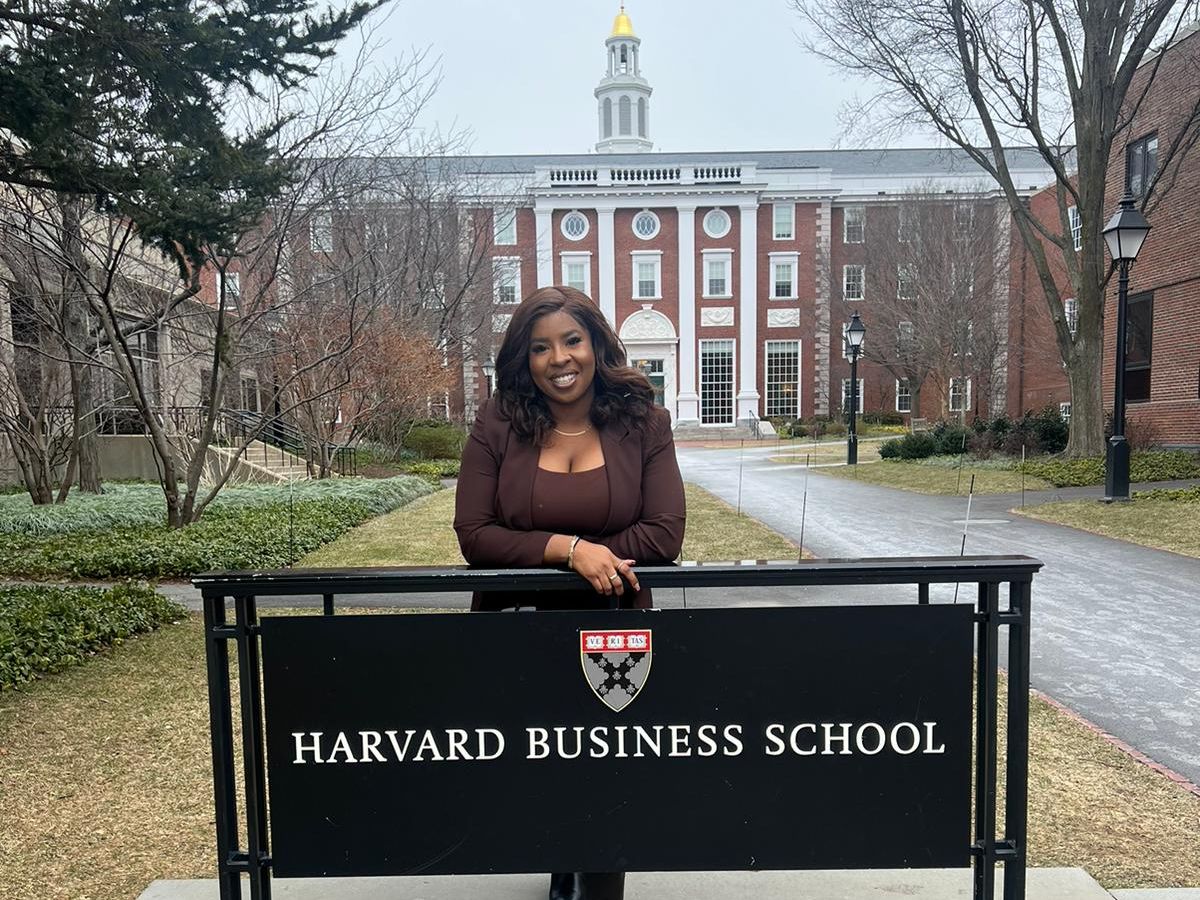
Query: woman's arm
x=483 y=539
x=657 y=537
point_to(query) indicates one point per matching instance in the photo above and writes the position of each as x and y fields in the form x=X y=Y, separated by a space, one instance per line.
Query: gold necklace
x=572 y=433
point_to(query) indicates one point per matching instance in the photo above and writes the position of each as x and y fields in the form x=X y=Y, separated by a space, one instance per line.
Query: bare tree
x=938 y=296
x=1056 y=76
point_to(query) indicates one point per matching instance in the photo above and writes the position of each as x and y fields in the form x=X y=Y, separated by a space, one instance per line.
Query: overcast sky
x=519 y=74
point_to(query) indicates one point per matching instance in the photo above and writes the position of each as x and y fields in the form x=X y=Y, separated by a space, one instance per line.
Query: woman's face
x=561 y=360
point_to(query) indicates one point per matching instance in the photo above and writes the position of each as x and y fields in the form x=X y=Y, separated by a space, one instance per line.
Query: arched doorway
x=653 y=345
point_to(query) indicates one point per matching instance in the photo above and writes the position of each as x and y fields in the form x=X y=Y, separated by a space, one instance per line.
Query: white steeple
x=623 y=95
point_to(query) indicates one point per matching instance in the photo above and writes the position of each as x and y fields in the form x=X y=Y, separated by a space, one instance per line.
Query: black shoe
x=566 y=886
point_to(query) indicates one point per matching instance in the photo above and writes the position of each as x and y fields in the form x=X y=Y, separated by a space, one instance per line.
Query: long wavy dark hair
x=620 y=393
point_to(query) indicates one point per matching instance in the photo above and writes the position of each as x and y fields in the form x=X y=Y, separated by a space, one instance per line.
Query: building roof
x=622 y=26
x=902 y=161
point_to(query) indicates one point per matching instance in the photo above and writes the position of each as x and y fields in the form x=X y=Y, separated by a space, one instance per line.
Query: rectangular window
x=506 y=279
x=783 y=378
x=960 y=395
x=716 y=382
x=964 y=220
x=232 y=284
x=1139 y=319
x=906 y=283
x=1071 y=312
x=320 y=232
x=504 y=222
x=852 y=282
x=783 y=281
x=716 y=274
x=1064 y=412
x=906 y=338
x=647 y=281
x=908 y=224
x=854 y=225
x=903 y=396
x=1076 y=227
x=1141 y=162
x=577 y=271
x=784 y=221
x=846 y=401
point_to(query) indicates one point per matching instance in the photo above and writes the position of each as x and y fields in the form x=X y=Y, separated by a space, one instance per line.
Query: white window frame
x=562 y=225
x=902 y=339
x=1076 y=223
x=714 y=233
x=657 y=224
x=712 y=256
x=767 y=346
x=233 y=285
x=963 y=229
x=905 y=273
x=907 y=394
x=860 y=213
x=320 y=232
x=780 y=234
x=499 y=265
x=846 y=282
x=508 y=218
x=584 y=257
x=845 y=389
x=950 y=399
x=788 y=259
x=906 y=215
x=1071 y=315
x=733 y=374
x=645 y=256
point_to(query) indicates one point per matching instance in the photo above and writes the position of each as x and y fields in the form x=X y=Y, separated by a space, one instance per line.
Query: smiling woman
x=570 y=463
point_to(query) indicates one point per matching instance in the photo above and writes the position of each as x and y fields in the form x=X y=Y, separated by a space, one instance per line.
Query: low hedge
x=441 y=441
x=1173 y=495
x=1151 y=465
x=45 y=629
x=236 y=536
x=435 y=469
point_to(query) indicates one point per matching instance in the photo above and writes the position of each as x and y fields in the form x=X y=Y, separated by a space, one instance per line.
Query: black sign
x=787 y=738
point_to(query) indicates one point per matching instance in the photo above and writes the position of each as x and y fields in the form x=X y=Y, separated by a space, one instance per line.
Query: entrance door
x=654 y=369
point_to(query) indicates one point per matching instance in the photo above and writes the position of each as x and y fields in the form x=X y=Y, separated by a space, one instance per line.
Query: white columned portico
x=747 y=395
x=689 y=401
x=544 y=217
x=608 y=264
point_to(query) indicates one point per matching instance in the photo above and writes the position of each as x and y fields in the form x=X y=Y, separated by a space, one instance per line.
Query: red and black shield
x=616 y=664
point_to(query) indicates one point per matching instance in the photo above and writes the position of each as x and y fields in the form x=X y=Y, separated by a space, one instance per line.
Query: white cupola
x=623 y=95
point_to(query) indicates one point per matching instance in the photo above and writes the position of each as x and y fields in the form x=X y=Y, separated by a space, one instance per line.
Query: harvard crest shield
x=615 y=664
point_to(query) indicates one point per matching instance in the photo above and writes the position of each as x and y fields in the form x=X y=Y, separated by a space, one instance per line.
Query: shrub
x=44 y=629
x=1174 y=495
x=249 y=534
x=835 y=429
x=883 y=418
x=1160 y=465
x=911 y=446
x=951 y=439
x=437 y=441
x=434 y=470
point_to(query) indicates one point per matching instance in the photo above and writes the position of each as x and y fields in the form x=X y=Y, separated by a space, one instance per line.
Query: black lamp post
x=1124 y=234
x=855 y=332
x=489 y=372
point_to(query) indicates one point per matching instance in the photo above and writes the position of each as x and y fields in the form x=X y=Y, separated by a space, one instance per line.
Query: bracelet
x=571 y=552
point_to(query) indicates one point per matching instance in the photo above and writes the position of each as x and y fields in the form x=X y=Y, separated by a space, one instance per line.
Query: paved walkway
x=1115 y=625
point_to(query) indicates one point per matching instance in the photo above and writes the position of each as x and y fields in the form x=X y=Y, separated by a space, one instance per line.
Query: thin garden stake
x=961 y=451
x=741 y=456
x=962 y=549
x=804 y=502
x=1022 y=476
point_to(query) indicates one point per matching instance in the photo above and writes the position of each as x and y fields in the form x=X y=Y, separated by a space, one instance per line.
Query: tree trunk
x=1087 y=405
x=83 y=395
x=64 y=487
x=915 y=403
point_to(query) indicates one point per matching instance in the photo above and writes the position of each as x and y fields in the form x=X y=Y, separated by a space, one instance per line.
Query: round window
x=645 y=224
x=716 y=223
x=574 y=225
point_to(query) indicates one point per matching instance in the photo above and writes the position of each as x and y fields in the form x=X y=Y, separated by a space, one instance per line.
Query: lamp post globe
x=1124 y=234
x=856 y=331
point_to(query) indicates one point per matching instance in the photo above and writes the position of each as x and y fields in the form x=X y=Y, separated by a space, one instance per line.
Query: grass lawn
x=824 y=454
x=932 y=479
x=1166 y=524
x=421 y=534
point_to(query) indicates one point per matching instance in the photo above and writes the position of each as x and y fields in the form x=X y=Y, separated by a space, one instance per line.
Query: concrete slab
x=913 y=884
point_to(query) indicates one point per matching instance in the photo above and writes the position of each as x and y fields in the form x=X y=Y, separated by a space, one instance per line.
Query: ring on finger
x=614 y=577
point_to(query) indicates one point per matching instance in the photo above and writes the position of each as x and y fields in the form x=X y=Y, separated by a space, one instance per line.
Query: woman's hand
x=603 y=570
